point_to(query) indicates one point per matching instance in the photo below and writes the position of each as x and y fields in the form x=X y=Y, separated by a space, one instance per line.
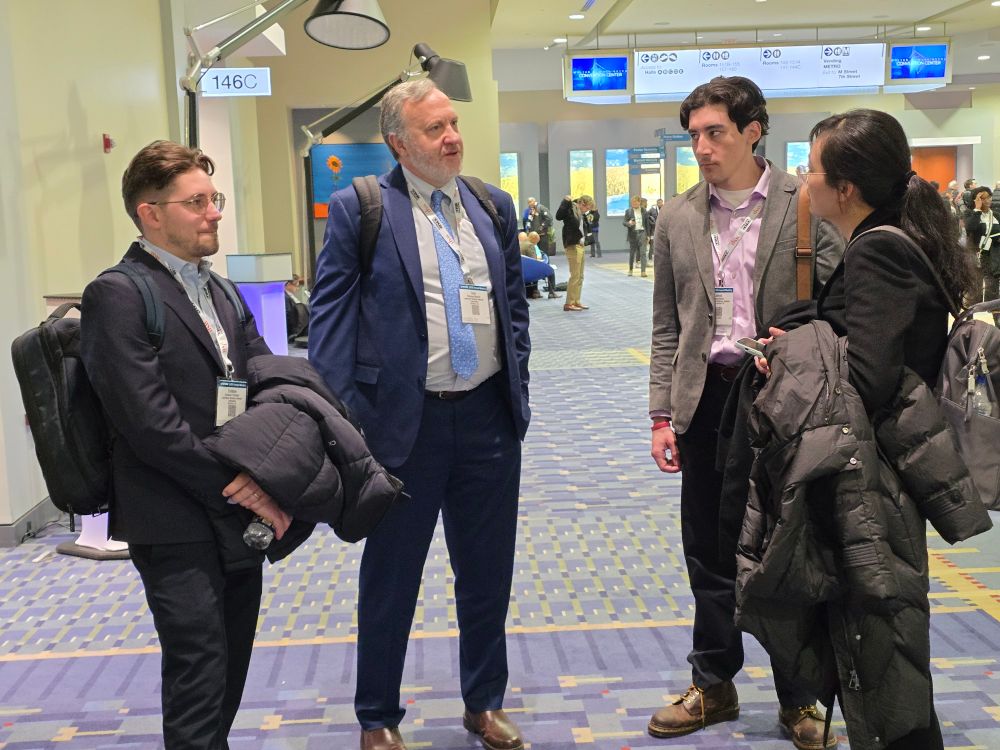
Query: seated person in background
x=296 y=312
x=529 y=249
x=551 y=278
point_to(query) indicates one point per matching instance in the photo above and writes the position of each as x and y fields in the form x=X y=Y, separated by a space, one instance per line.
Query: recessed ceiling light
x=546 y=48
x=559 y=40
x=972 y=88
x=576 y=16
x=777 y=34
x=923 y=28
x=995 y=3
x=761 y=1
x=983 y=58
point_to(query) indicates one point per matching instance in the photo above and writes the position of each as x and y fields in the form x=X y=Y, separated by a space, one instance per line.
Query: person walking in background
x=634 y=222
x=724 y=266
x=570 y=213
x=982 y=232
x=651 y=215
x=428 y=347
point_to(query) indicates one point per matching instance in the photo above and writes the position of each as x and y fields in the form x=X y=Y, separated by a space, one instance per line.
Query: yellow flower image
x=334 y=164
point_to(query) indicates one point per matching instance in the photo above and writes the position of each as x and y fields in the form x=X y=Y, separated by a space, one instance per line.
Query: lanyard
x=216 y=332
x=735 y=239
x=443 y=230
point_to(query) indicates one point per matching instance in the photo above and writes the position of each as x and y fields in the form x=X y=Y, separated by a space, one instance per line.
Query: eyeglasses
x=803 y=172
x=198 y=203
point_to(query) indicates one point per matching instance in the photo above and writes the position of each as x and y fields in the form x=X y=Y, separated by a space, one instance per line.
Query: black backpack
x=70 y=430
x=370 y=196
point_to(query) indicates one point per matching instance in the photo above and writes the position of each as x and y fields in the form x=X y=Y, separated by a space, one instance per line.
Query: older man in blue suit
x=428 y=345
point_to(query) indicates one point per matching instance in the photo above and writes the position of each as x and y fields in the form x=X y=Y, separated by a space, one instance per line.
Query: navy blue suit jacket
x=368 y=332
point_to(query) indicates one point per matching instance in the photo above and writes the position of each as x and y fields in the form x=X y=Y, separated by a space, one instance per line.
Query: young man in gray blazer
x=724 y=262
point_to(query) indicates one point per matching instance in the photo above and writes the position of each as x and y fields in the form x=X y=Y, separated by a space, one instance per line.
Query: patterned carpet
x=600 y=613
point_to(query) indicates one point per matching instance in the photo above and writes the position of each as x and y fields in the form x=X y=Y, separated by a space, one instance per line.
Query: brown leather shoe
x=804 y=726
x=695 y=710
x=386 y=738
x=581 y=306
x=495 y=729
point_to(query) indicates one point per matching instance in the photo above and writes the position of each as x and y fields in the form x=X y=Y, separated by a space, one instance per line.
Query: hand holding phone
x=751 y=346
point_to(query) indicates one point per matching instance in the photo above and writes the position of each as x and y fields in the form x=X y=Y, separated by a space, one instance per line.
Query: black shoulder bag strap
x=370 y=197
x=150 y=298
x=952 y=307
x=230 y=289
x=478 y=189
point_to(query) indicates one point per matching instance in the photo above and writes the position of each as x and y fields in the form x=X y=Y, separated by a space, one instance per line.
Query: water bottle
x=259 y=534
x=981 y=403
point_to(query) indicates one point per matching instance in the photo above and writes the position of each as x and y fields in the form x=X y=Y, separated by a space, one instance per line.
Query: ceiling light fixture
x=923 y=28
x=983 y=58
x=576 y=16
x=777 y=33
x=559 y=40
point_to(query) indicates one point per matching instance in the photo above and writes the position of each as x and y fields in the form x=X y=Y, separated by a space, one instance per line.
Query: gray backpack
x=968 y=385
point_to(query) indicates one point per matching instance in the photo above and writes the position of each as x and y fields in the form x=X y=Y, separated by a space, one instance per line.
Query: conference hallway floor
x=600 y=614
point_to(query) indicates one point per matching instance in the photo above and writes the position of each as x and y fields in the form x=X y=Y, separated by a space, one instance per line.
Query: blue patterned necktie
x=461 y=338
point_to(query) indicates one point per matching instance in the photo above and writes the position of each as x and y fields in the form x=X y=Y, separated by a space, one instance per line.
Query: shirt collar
x=424 y=188
x=760 y=189
x=183 y=268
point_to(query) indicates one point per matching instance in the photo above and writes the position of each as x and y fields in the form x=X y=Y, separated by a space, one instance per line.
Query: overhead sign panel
x=599 y=73
x=800 y=67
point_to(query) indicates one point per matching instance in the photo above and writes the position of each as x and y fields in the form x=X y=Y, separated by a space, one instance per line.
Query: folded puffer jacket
x=298 y=443
x=832 y=559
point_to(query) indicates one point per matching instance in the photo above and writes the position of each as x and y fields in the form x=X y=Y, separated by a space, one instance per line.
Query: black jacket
x=298 y=444
x=572 y=230
x=832 y=560
x=884 y=299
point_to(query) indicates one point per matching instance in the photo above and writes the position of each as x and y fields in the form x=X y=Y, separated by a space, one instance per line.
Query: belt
x=448 y=395
x=457 y=395
x=726 y=372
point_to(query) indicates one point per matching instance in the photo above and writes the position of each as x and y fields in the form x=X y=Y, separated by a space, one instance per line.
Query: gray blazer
x=683 y=287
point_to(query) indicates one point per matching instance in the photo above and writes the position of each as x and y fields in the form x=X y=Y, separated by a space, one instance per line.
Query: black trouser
x=205 y=620
x=717 y=650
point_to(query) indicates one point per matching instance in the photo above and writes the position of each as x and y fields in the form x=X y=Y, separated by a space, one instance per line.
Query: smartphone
x=750 y=346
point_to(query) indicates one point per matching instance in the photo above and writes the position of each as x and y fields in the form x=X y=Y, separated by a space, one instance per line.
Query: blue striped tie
x=461 y=338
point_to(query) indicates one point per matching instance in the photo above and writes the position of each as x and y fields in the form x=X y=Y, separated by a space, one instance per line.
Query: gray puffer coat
x=832 y=559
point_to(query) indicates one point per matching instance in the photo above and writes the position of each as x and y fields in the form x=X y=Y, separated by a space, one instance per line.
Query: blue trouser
x=465 y=465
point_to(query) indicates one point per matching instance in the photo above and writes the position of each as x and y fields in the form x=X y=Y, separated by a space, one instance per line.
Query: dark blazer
x=640 y=219
x=161 y=403
x=572 y=229
x=368 y=334
x=883 y=297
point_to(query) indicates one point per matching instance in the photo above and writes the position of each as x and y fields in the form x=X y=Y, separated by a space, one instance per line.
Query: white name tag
x=230 y=399
x=475 y=304
x=724 y=297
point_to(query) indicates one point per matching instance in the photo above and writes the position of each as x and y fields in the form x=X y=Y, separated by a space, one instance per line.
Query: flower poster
x=334 y=165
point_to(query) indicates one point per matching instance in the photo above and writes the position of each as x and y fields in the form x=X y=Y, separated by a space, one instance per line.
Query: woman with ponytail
x=883 y=296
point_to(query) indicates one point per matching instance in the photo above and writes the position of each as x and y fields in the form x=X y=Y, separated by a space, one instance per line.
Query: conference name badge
x=724 y=297
x=475 y=304
x=230 y=399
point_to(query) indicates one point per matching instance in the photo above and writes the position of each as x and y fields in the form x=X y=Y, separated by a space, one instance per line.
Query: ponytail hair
x=869 y=149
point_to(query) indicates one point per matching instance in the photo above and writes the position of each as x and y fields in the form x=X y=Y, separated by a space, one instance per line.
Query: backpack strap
x=955 y=310
x=803 y=248
x=478 y=189
x=370 y=197
x=150 y=299
x=234 y=297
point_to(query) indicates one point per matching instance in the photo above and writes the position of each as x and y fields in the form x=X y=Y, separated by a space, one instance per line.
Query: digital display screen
x=918 y=61
x=599 y=73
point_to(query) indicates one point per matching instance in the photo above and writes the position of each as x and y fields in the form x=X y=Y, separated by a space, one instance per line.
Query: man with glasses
x=724 y=264
x=171 y=497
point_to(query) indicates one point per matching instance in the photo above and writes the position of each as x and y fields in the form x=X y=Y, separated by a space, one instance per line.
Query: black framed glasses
x=198 y=203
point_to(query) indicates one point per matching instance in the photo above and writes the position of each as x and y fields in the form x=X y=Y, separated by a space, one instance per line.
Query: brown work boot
x=804 y=726
x=386 y=738
x=695 y=710
x=495 y=729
